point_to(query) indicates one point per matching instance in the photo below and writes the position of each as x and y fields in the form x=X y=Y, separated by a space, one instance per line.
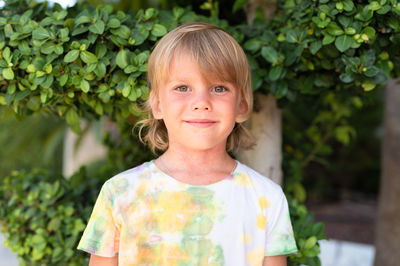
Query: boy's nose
x=201 y=102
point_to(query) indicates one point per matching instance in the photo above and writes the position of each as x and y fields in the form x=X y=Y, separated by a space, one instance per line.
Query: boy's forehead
x=182 y=65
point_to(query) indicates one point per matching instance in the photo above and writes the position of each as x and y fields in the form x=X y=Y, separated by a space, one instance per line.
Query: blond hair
x=215 y=51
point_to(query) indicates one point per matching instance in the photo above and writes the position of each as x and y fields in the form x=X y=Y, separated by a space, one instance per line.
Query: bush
x=43 y=215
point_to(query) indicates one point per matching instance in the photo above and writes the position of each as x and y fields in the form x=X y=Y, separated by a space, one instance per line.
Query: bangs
x=217 y=54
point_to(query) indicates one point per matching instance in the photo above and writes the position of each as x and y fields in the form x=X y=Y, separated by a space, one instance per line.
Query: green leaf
x=71 y=56
x=345 y=21
x=113 y=23
x=79 y=30
x=139 y=36
x=275 y=73
x=8 y=73
x=142 y=57
x=369 y=31
x=252 y=45
x=58 y=49
x=57 y=254
x=315 y=46
x=371 y=72
x=98 y=27
x=238 y=5
x=59 y=15
x=8 y=30
x=123 y=31
x=88 y=57
x=318 y=230
x=158 y=30
x=104 y=96
x=132 y=96
x=129 y=69
x=346 y=77
x=269 y=54
x=343 y=133
x=122 y=60
x=334 y=29
x=343 y=42
x=328 y=39
x=100 y=70
x=126 y=91
x=374 y=5
x=384 y=10
x=85 y=87
x=3 y=100
x=350 y=31
x=48 y=81
x=99 y=108
x=311 y=254
x=299 y=192
x=64 y=34
x=7 y=54
x=348 y=5
x=291 y=36
x=40 y=34
x=22 y=94
x=368 y=85
x=310 y=242
x=82 y=19
x=63 y=79
x=48 y=47
x=24 y=48
x=72 y=119
x=365 y=14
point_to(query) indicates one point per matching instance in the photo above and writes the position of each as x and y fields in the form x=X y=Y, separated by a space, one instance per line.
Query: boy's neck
x=198 y=161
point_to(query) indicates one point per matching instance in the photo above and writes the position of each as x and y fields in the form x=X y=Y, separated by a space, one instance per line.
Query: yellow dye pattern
x=263 y=202
x=261 y=221
x=255 y=257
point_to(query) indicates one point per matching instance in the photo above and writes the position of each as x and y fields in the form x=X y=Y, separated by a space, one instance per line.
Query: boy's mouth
x=200 y=122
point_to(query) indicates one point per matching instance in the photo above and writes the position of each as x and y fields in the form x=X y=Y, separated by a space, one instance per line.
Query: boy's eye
x=182 y=88
x=220 y=89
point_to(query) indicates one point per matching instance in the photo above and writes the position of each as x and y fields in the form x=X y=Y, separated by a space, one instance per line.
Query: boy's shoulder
x=130 y=176
x=259 y=180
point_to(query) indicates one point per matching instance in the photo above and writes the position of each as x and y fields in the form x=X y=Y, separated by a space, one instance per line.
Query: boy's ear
x=155 y=105
x=242 y=111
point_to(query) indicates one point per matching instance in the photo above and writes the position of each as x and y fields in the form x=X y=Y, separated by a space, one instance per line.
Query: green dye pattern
x=201 y=195
x=194 y=240
x=200 y=224
x=203 y=252
x=97 y=230
x=117 y=188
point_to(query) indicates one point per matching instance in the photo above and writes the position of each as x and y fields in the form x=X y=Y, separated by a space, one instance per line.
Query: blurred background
x=342 y=186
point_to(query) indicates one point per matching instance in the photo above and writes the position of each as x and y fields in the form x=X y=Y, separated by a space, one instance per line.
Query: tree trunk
x=265 y=121
x=265 y=126
x=387 y=237
x=88 y=150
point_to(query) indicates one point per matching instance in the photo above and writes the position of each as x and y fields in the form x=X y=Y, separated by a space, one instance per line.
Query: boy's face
x=199 y=113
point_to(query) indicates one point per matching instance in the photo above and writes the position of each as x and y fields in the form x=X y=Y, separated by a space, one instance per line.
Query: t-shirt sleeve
x=101 y=236
x=279 y=233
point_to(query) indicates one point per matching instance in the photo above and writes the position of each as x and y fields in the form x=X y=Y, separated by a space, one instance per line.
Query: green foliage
x=78 y=65
x=43 y=215
x=307 y=234
x=20 y=152
x=344 y=46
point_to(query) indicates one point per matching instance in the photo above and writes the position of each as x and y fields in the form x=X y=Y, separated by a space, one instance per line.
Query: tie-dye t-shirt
x=147 y=217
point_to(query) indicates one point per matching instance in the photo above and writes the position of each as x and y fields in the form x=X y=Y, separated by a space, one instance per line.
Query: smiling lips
x=200 y=122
